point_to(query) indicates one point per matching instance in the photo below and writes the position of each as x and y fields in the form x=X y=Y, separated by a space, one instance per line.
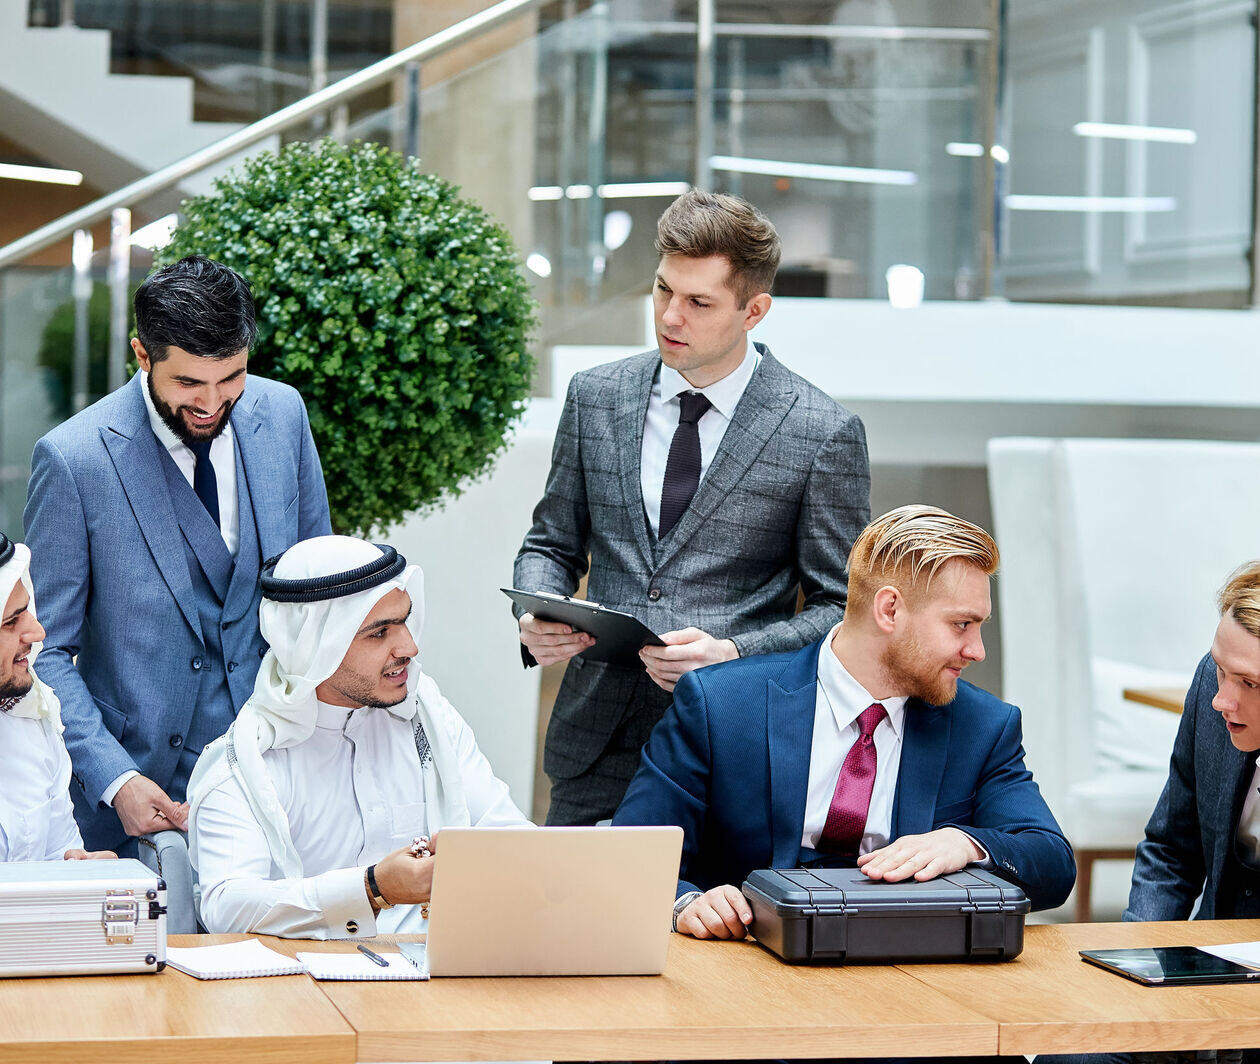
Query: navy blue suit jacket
x=729 y=763
x=1190 y=835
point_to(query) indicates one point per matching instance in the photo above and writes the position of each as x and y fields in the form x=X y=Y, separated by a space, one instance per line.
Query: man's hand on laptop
x=936 y=853
x=722 y=912
x=552 y=641
x=405 y=879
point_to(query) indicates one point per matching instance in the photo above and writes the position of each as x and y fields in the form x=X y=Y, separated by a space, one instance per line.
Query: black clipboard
x=618 y=636
x=1170 y=966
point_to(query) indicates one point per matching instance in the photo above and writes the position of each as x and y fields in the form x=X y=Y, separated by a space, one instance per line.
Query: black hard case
x=839 y=915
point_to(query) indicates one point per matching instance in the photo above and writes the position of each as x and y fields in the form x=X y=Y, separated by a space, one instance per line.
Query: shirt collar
x=848 y=697
x=162 y=430
x=337 y=718
x=724 y=394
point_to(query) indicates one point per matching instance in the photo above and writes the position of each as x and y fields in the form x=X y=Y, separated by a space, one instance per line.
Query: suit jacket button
x=352 y=926
x=262 y=652
x=654 y=594
x=196 y=664
x=177 y=741
x=231 y=666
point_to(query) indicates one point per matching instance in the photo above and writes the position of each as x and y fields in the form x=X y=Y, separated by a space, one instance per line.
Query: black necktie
x=205 y=483
x=682 y=468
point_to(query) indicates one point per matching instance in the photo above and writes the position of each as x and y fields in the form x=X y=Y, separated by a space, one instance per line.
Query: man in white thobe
x=36 y=816
x=303 y=816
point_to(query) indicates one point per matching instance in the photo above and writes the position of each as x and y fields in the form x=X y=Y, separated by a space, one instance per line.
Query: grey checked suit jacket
x=1190 y=836
x=779 y=507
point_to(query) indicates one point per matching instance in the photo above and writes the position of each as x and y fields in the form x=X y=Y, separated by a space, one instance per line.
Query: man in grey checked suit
x=149 y=515
x=706 y=483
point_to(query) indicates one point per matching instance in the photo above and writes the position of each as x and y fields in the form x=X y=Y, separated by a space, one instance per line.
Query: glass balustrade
x=1041 y=151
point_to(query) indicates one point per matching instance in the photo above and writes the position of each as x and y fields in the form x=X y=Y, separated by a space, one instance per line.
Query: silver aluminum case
x=53 y=917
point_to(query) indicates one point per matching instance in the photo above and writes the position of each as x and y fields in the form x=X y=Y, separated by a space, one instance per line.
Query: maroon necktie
x=682 y=467
x=846 y=819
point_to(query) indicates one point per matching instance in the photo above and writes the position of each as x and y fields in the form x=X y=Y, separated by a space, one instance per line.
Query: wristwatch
x=681 y=904
x=374 y=891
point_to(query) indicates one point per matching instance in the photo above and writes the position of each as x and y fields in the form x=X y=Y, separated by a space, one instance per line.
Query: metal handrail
x=360 y=81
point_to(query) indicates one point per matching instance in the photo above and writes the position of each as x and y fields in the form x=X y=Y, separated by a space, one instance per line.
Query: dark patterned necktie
x=846 y=819
x=682 y=468
x=205 y=483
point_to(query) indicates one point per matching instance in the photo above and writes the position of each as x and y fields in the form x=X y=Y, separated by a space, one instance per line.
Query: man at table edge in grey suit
x=149 y=515
x=1203 y=840
x=706 y=483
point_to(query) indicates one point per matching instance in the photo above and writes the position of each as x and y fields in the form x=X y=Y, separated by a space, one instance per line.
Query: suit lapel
x=759 y=413
x=632 y=403
x=923 y=753
x=135 y=452
x=1233 y=774
x=790 y=702
x=264 y=475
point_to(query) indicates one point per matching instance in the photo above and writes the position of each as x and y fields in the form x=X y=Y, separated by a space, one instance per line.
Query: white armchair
x=1112 y=552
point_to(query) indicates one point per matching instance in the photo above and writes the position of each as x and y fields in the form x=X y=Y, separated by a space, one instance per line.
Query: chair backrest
x=1112 y=550
x=166 y=852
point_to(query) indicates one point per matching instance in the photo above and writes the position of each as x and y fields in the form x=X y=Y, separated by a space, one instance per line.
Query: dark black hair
x=197 y=304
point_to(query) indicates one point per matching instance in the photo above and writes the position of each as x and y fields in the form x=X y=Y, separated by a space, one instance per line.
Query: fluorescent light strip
x=955 y=147
x=1093 y=204
x=813 y=171
x=46 y=174
x=1115 y=131
x=631 y=189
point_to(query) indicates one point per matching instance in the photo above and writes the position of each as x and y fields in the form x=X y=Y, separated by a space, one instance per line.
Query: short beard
x=15 y=688
x=362 y=691
x=170 y=417
x=912 y=674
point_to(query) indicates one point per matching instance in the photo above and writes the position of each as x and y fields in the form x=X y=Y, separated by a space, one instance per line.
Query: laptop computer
x=552 y=901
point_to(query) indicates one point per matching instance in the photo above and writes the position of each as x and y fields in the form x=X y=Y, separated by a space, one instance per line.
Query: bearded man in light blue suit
x=149 y=515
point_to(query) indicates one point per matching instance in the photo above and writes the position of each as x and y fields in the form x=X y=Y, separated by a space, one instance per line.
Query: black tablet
x=618 y=636
x=1170 y=966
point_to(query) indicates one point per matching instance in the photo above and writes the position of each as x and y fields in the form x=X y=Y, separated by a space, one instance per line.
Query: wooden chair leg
x=1084 y=880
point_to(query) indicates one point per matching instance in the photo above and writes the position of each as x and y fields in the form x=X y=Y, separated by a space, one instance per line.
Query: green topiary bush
x=397 y=309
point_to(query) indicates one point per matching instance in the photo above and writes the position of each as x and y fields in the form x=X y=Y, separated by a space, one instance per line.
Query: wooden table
x=1173 y=699
x=716 y=999
x=171 y=1018
x=1050 y=1001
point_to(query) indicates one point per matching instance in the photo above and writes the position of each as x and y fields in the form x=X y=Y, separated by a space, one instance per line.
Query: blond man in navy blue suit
x=750 y=757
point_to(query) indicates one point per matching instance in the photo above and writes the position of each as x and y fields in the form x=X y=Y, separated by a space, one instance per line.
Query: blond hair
x=908 y=546
x=699 y=224
x=1240 y=597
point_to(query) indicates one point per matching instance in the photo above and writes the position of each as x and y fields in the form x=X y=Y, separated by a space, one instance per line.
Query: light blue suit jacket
x=113 y=584
x=729 y=763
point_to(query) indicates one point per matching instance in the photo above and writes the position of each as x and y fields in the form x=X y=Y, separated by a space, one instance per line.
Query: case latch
x=119 y=914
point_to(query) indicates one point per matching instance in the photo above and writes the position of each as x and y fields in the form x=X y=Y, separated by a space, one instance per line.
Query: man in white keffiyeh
x=303 y=814
x=36 y=817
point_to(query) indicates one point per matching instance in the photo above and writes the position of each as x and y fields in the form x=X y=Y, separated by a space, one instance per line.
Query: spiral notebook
x=355 y=966
x=232 y=960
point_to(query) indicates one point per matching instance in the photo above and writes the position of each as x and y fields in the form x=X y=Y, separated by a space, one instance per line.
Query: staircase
x=59 y=99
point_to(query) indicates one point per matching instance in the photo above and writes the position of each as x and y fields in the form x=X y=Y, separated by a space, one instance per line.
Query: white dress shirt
x=222 y=457
x=1249 y=822
x=36 y=816
x=663 y=411
x=353 y=793
x=838 y=703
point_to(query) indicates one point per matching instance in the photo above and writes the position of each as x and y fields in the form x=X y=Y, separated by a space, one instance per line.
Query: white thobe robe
x=353 y=793
x=36 y=816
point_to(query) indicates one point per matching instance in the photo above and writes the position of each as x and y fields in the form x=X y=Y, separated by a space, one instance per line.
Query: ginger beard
x=915 y=672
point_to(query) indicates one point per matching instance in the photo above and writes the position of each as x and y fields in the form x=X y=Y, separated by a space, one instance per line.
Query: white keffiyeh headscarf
x=308 y=642
x=39 y=702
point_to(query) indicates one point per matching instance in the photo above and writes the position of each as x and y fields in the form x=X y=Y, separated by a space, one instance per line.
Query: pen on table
x=375 y=958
